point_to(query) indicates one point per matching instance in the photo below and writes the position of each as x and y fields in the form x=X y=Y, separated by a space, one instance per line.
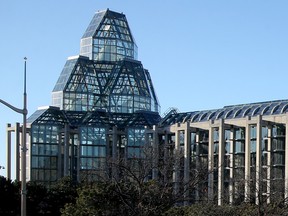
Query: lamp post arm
x=21 y=111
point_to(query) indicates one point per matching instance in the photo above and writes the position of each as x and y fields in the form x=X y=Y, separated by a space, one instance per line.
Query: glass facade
x=104 y=108
x=108 y=38
x=135 y=142
x=121 y=87
x=278 y=151
x=101 y=104
x=92 y=148
x=44 y=152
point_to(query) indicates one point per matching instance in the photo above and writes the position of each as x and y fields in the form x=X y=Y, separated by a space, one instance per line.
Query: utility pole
x=24 y=112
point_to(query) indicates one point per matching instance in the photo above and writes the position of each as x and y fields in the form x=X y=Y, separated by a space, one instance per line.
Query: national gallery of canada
x=104 y=108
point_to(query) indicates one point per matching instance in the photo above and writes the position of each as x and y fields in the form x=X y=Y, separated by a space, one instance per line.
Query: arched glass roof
x=229 y=112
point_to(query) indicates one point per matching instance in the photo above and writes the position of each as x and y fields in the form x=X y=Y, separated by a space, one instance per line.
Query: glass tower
x=102 y=102
x=108 y=38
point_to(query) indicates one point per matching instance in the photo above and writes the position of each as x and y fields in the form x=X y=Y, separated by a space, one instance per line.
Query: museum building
x=104 y=107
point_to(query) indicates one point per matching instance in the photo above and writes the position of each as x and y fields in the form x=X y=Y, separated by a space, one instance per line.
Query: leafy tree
x=36 y=195
x=121 y=198
x=127 y=190
x=40 y=199
x=94 y=199
x=9 y=197
x=64 y=191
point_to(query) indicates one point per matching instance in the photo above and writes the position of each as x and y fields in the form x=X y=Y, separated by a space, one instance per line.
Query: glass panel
x=253 y=146
x=239 y=160
x=240 y=133
x=278 y=158
x=136 y=139
x=253 y=132
x=239 y=146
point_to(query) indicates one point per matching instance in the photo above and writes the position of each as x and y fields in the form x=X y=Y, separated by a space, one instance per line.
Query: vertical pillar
x=17 y=150
x=176 y=173
x=247 y=161
x=166 y=158
x=108 y=143
x=187 y=151
x=71 y=165
x=197 y=164
x=155 y=153
x=148 y=145
x=286 y=161
x=269 y=139
x=114 y=143
x=231 y=174
x=66 y=150
x=60 y=152
x=8 y=151
x=114 y=152
x=78 y=155
x=221 y=162
x=258 y=192
x=211 y=164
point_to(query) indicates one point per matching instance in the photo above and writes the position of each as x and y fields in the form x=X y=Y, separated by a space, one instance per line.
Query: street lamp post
x=24 y=112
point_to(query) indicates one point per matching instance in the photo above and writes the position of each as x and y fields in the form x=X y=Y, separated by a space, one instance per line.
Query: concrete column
x=211 y=164
x=286 y=161
x=71 y=167
x=187 y=155
x=8 y=156
x=166 y=158
x=269 y=139
x=60 y=149
x=197 y=164
x=17 y=150
x=66 y=150
x=258 y=192
x=78 y=155
x=247 y=161
x=148 y=144
x=231 y=174
x=221 y=162
x=108 y=144
x=176 y=173
x=114 y=152
x=114 y=143
x=155 y=153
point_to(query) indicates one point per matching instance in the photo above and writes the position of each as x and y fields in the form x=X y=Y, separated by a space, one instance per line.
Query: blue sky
x=201 y=54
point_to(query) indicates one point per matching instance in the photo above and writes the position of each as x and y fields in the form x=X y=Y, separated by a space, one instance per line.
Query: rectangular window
x=239 y=147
